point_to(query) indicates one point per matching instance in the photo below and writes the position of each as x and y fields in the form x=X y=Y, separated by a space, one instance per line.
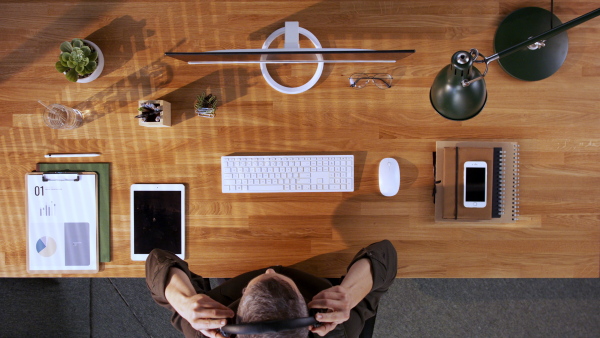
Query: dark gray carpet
x=122 y=307
x=490 y=308
x=33 y=307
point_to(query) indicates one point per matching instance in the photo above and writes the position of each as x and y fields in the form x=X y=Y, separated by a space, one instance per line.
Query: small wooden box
x=165 y=114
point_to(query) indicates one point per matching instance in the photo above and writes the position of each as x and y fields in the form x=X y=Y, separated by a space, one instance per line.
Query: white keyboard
x=306 y=173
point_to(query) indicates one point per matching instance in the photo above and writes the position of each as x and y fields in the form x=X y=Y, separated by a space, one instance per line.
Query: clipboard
x=103 y=171
x=62 y=222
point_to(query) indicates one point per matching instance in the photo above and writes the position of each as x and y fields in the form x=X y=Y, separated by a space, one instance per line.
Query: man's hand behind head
x=205 y=314
x=337 y=303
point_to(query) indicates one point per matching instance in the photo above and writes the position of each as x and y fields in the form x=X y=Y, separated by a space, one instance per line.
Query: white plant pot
x=206 y=112
x=100 y=67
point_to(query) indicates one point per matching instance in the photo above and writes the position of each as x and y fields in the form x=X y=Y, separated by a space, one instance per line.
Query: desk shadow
x=308 y=19
x=345 y=224
x=357 y=230
x=139 y=84
x=120 y=40
x=227 y=85
x=42 y=42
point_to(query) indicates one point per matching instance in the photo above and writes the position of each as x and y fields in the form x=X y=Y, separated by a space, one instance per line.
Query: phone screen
x=475 y=185
x=157 y=221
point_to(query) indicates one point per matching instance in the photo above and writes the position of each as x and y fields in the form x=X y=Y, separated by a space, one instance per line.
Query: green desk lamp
x=458 y=91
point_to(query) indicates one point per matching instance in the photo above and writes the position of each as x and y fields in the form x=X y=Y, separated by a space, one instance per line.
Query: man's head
x=272 y=296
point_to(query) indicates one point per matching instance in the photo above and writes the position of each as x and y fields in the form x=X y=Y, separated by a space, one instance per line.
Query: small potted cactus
x=154 y=113
x=80 y=60
x=206 y=105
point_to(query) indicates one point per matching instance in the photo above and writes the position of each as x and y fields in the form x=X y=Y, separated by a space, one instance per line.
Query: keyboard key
x=265 y=188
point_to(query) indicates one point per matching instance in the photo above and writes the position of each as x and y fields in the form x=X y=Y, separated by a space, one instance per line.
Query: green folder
x=103 y=171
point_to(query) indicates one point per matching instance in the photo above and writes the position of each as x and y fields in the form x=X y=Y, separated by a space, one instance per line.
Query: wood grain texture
x=556 y=122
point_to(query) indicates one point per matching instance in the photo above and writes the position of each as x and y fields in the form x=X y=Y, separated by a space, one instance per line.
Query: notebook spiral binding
x=501 y=181
x=515 y=188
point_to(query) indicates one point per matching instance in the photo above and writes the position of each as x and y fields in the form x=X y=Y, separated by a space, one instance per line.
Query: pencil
x=73 y=155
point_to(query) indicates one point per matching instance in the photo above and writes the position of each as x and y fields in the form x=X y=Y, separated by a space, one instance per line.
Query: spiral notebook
x=503 y=189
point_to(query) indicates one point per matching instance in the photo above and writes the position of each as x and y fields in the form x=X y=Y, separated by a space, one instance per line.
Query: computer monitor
x=301 y=55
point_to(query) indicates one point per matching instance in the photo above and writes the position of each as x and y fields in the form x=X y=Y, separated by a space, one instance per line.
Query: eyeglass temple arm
x=387 y=84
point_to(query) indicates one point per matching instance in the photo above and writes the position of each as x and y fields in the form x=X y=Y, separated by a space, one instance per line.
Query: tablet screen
x=157 y=221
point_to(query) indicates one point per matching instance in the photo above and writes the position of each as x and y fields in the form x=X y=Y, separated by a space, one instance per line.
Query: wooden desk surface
x=556 y=121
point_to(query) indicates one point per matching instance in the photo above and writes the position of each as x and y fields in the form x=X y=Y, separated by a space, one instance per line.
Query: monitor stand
x=292 y=33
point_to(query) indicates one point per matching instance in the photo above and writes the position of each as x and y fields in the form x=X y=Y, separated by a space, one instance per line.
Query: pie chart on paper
x=46 y=246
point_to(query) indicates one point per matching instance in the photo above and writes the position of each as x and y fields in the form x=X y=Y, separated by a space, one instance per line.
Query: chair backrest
x=367 y=331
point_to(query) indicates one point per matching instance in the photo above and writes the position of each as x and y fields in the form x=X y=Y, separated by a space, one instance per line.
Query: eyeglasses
x=360 y=80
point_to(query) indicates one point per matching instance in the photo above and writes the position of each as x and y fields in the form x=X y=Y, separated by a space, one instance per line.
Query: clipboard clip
x=60 y=176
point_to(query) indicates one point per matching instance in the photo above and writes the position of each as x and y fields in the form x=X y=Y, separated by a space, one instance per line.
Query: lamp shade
x=450 y=98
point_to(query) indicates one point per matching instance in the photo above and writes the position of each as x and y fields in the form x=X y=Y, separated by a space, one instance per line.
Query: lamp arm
x=541 y=37
x=475 y=54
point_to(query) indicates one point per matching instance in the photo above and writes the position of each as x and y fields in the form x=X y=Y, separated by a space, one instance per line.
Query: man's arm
x=370 y=274
x=358 y=281
x=339 y=300
x=202 y=312
x=173 y=286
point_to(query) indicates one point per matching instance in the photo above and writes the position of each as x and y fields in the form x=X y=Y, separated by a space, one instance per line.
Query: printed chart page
x=62 y=223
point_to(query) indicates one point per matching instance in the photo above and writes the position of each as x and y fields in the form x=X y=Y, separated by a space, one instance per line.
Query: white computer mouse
x=389 y=177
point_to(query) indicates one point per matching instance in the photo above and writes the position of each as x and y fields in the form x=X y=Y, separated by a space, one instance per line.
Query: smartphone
x=475 y=184
x=157 y=219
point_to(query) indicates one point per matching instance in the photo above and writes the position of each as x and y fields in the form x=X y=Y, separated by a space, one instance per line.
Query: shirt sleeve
x=158 y=264
x=384 y=267
x=384 y=263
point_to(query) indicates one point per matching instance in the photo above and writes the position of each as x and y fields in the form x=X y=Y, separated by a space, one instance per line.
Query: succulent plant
x=206 y=101
x=76 y=59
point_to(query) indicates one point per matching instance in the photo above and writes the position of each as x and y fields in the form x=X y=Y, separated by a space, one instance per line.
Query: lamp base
x=531 y=65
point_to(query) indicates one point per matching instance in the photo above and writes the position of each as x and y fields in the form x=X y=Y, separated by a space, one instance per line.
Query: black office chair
x=367 y=331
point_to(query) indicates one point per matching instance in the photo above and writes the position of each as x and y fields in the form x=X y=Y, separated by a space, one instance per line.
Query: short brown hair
x=272 y=299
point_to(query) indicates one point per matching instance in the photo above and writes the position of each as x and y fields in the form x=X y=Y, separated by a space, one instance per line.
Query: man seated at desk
x=273 y=294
